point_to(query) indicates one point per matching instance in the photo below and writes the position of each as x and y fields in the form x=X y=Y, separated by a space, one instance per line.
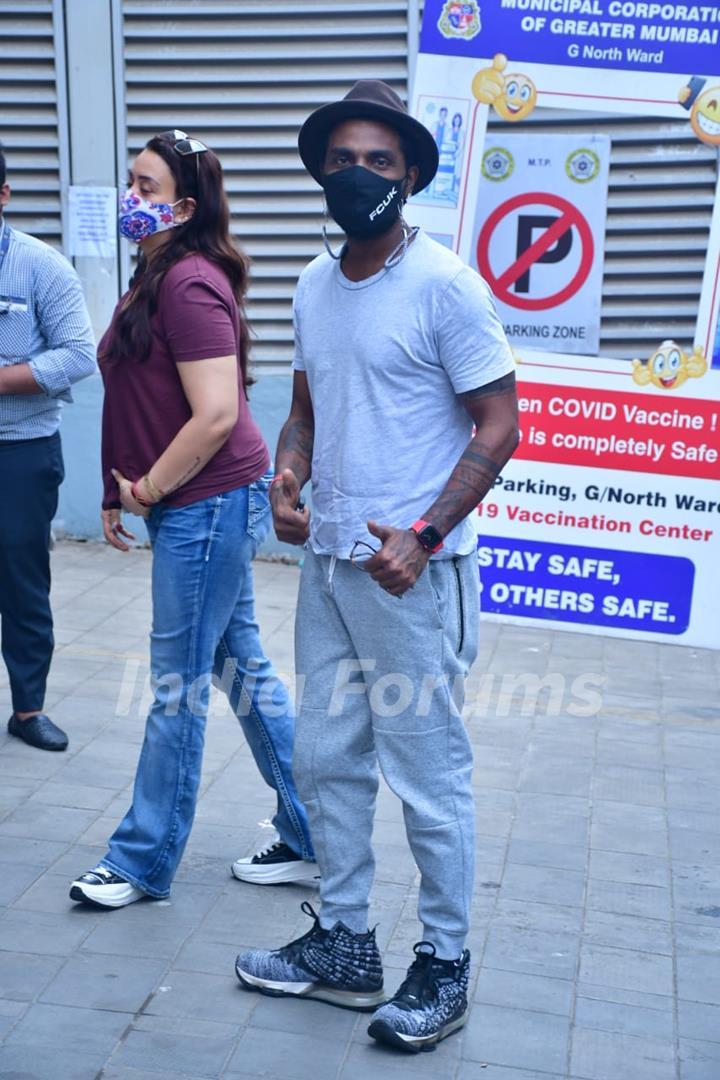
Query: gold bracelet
x=155 y=492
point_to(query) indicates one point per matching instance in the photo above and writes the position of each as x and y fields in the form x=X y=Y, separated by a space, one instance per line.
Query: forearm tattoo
x=295 y=448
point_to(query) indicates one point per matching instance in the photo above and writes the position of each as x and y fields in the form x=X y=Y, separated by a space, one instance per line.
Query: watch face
x=430 y=537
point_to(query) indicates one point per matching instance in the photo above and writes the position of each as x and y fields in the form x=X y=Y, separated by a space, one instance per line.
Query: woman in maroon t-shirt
x=180 y=448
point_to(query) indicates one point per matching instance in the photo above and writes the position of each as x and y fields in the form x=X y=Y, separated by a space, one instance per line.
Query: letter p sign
x=527 y=226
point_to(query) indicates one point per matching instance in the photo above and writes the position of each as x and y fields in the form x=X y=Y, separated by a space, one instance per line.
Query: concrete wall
x=81 y=494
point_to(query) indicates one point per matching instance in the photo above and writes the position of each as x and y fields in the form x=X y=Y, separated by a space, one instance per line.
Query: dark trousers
x=31 y=472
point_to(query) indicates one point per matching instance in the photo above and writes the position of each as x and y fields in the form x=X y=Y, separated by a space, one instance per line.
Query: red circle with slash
x=501 y=283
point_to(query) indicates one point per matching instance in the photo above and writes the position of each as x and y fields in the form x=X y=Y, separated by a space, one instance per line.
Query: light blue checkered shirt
x=43 y=322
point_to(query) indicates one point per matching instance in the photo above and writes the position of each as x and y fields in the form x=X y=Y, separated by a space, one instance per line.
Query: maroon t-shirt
x=145 y=405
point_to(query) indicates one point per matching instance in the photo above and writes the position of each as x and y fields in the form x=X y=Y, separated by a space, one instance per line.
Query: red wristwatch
x=428 y=536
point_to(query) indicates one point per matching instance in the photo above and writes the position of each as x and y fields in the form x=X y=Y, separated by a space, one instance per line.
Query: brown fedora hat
x=369 y=99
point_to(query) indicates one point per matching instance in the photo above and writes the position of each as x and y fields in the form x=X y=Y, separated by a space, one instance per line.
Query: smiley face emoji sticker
x=669 y=367
x=705 y=116
x=704 y=107
x=512 y=96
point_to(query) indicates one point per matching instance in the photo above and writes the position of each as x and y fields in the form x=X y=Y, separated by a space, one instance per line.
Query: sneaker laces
x=294 y=949
x=269 y=848
x=419 y=986
x=102 y=871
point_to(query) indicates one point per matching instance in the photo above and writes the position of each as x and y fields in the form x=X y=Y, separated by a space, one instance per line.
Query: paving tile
x=21 y=1062
x=551 y=828
x=205 y=997
x=40 y=822
x=22 y=850
x=633 y=869
x=78 y=796
x=291 y=1015
x=698 y=977
x=517 y=1037
x=121 y=984
x=544 y=884
x=623 y=1018
x=531 y=852
x=533 y=916
x=602 y=1055
x=120 y=1072
x=472 y=1070
x=175 y=1052
x=10 y=1014
x=367 y=1060
x=623 y=996
x=82 y=1029
x=700 y=936
x=23 y=976
x=16 y=879
x=646 y=901
x=286 y=1055
x=697 y=1020
x=536 y=952
x=521 y=990
x=43 y=933
x=626 y=969
x=696 y=891
x=699 y=1060
x=145 y=936
x=628 y=932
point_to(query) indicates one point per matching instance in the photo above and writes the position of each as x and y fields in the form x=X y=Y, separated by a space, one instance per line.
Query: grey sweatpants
x=382 y=680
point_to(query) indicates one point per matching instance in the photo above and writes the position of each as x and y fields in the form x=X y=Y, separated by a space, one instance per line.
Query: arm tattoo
x=190 y=472
x=295 y=448
x=471 y=479
x=491 y=389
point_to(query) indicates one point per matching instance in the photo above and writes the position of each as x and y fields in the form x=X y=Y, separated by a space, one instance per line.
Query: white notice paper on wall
x=93 y=221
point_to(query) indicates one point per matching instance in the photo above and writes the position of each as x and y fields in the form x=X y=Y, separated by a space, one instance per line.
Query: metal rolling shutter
x=33 y=115
x=662 y=188
x=244 y=76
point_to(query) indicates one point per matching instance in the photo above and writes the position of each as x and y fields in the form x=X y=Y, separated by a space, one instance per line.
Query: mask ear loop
x=398 y=254
x=337 y=255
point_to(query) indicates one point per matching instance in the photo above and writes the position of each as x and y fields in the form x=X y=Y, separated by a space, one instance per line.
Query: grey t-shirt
x=385 y=360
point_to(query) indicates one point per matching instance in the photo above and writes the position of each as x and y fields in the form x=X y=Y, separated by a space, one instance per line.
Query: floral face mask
x=139 y=218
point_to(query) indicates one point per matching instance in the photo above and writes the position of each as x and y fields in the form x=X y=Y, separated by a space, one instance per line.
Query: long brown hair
x=197 y=176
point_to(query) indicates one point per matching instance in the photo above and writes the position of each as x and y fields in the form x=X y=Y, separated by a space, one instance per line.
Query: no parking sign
x=539 y=237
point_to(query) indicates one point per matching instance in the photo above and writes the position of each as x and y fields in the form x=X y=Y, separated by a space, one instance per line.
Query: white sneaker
x=105 y=889
x=275 y=864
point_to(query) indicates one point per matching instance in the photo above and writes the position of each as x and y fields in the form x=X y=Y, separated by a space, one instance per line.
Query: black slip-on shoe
x=39 y=731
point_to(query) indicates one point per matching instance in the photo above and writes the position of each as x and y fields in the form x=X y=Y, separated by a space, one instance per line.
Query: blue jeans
x=204 y=625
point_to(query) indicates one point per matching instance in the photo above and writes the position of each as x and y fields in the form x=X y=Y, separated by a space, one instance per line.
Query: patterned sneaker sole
x=344 y=999
x=78 y=894
x=413 y=1044
x=300 y=872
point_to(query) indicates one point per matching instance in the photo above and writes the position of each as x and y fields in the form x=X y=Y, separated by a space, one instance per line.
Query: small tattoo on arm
x=185 y=476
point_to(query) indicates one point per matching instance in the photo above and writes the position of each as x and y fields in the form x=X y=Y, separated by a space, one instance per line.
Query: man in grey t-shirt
x=399 y=352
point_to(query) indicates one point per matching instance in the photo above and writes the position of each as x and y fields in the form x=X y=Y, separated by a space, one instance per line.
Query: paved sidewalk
x=596 y=938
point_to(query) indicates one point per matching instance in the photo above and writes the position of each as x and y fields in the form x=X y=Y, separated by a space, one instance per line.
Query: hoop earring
x=337 y=255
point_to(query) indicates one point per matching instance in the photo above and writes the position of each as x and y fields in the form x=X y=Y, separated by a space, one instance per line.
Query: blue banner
x=633 y=35
x=625 y=590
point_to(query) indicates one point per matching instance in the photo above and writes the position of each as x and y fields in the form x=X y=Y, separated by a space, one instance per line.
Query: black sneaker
x=336 y=966
x=430 y=1005
x=104 y=889
x=274 y=865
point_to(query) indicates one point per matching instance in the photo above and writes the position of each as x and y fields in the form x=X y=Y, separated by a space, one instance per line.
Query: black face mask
x=363 y=203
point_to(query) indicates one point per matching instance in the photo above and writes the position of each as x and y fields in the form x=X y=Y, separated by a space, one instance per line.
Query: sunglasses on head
x=183 y=144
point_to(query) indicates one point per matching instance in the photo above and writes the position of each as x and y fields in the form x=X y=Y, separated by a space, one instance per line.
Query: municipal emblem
x=582 y=165
x=497 y=163
x=460 y=20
